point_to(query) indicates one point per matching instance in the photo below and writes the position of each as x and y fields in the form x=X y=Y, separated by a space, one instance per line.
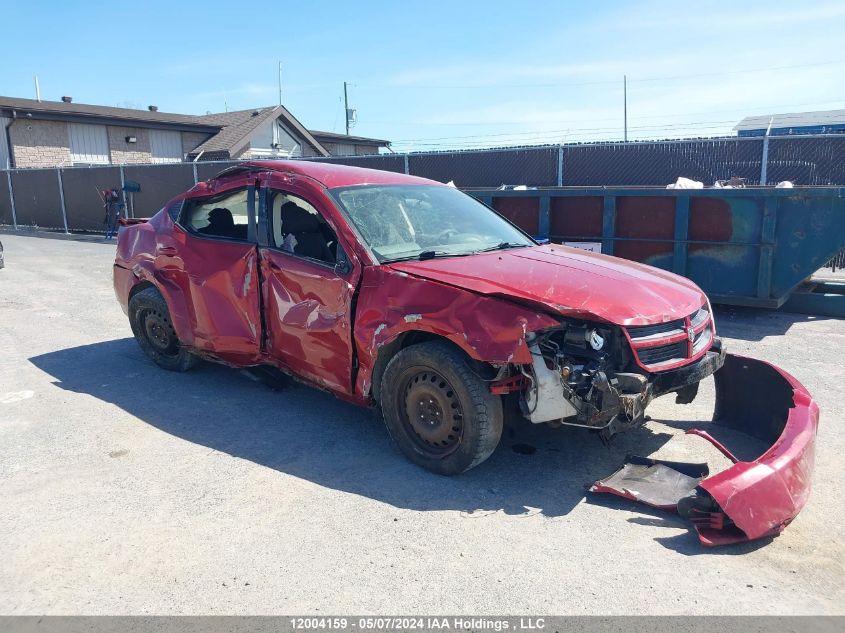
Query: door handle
x=166 y=250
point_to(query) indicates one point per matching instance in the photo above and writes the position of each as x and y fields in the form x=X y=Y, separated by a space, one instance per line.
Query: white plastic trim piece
x=545 y=398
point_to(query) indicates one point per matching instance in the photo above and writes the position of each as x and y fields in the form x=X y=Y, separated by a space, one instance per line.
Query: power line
x=571 y=130
x=648 y=132
x=568 y=130
x=639 y=117
x=545 y=140
x=539 y=134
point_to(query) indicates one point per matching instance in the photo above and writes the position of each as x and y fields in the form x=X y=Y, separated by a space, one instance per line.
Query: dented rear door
x=219 y=274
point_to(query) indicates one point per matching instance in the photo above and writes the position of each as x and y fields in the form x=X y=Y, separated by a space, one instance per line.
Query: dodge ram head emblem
x=690 y=334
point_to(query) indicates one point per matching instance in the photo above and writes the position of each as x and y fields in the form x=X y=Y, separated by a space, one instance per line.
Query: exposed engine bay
x=584 y=374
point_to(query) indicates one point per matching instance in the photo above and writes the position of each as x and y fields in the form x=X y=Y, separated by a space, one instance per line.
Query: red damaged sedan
x=398 y=291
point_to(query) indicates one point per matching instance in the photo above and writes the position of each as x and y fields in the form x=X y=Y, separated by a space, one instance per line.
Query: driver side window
x=298 y=228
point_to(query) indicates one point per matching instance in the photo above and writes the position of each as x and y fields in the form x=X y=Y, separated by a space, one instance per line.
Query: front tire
x=153 y=329
x=438 y=410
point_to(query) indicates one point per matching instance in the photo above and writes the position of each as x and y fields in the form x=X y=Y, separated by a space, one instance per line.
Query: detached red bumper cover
x=751 y=499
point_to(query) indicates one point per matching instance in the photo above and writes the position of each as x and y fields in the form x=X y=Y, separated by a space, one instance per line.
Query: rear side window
x=222 y=216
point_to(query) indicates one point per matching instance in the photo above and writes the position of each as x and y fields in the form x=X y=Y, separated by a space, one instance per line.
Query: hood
x=570 y=282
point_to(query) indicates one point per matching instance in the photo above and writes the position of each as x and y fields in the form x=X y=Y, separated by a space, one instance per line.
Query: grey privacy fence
x=67 y=199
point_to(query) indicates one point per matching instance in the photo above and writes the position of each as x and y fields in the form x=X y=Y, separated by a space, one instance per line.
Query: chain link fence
x=803 y=160
x=67 y=198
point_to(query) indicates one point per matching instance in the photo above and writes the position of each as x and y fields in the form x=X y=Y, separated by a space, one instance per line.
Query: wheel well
x=138 y=288
x=406 y=339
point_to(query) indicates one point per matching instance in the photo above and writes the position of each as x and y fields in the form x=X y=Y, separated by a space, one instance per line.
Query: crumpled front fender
x=393 y=303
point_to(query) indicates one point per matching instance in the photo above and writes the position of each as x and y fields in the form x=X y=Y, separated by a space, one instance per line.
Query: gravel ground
x=130 y=490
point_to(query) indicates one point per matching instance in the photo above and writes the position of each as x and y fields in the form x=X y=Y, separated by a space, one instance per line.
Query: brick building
x=62 y=133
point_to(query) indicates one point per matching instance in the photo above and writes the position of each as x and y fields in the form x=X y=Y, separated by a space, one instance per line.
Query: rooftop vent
x=255 y=113
x=152 y=108
x=67 y=99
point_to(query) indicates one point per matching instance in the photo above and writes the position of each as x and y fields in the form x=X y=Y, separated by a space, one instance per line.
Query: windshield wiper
x=501 y=246
x=422 y=256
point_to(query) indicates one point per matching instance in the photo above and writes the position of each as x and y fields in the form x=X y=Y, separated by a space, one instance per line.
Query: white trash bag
x=685 y=183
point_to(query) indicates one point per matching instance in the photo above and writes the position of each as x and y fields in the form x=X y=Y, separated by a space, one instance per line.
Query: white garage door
x=89 y=144
x=166 y=146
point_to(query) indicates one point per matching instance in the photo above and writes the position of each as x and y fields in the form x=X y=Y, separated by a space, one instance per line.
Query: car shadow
x=309 y=434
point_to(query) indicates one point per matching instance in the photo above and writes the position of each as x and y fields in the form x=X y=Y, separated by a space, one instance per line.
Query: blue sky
x=438 y=74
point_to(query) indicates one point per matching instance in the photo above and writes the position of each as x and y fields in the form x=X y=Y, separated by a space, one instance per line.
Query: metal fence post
x=764 y=162
x=123 y=191
x=407 y=169
x=12 y=199
x=196 y=180
x=62 y=198
x=560 y=165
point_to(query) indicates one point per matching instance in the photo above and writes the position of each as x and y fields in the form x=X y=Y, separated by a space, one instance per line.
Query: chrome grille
x=677 y=346
x=644 y=332
x=702 y=339
x=663 y=353
x=699 y=317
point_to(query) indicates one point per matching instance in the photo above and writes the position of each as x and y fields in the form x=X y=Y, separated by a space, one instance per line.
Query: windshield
x=424 y=221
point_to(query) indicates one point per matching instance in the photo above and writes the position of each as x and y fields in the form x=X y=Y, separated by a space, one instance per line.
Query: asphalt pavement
x=126 y=489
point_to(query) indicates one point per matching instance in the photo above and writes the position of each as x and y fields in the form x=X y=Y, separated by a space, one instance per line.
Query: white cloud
x=701 y=17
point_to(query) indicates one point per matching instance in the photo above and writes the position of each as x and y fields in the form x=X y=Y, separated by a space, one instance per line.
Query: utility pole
x=37 y=90
x=346 y=108
x=625 y=103
x=280 y=83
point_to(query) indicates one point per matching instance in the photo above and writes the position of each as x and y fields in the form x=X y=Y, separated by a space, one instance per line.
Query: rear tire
x=438 y=410
x=153 y=329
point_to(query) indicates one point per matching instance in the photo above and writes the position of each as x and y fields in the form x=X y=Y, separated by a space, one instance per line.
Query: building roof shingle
x=53 y=109
x=232 y=131
x=237 y=128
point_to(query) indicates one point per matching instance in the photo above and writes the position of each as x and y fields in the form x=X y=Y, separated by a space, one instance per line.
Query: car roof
x=331 y=174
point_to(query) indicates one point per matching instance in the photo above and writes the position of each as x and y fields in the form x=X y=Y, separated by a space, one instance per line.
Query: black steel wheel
x=154 y=332
x=159 y=331
x=438 y=410
x=432 y=415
